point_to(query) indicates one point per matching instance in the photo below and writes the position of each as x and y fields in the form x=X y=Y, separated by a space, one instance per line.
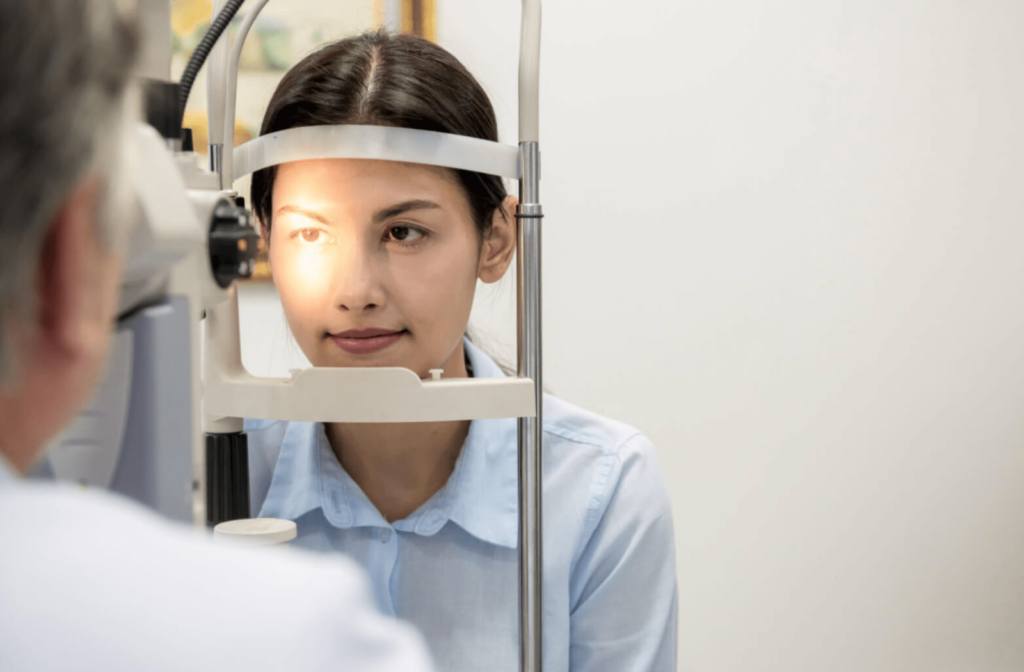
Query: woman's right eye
x=310 y=235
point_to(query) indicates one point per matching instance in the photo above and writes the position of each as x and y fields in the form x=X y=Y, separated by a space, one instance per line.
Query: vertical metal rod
x=528 y=215
x=217 y=162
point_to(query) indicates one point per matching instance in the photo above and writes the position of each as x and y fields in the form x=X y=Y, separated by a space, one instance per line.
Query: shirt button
x=385 y=534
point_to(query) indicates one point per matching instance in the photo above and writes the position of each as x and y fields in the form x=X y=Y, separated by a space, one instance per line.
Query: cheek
x=308 y=269
x=301 y=282
x=437 y=287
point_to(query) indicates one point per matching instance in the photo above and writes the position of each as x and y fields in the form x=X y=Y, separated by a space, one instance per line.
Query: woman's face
x=376 y=262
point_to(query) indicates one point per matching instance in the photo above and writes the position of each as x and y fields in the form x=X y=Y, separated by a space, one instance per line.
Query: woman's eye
x=310 y=235
x=404 y=234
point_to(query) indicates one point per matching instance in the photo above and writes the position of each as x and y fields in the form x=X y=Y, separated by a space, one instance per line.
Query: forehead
x=364 y=179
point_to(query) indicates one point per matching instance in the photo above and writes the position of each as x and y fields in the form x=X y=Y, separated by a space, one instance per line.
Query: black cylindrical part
x=160 y=101
x=227 y=477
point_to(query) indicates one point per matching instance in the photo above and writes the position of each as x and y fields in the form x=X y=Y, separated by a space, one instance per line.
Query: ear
x=500 y=244
x=264 y=229
x=62 y=287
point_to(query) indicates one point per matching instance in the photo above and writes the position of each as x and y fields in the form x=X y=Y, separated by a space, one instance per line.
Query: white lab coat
x=90 y=581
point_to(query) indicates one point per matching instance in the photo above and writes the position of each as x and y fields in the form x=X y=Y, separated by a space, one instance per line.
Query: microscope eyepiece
x=233 y=244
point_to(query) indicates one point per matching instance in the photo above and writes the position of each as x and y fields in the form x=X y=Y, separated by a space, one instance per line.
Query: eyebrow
x=395 y=210
x=294 y=209
x=378 y=217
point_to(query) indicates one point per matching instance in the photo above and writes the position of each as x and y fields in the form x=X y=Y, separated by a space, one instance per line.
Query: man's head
x=63 y=117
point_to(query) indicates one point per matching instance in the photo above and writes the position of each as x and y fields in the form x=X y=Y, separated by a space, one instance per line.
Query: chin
x=346 y=361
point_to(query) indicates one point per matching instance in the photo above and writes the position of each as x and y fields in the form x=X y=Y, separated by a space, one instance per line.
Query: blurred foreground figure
x=87 y=580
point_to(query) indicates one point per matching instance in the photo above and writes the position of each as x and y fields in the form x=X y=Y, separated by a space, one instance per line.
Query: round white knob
x=256 y=531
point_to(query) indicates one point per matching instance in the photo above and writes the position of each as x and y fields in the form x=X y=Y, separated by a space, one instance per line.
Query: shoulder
x=622 y=462
x=570 y=428
x=215 y=597
x=578 y=425
x=621 y=565
x=119 y=534
x=627 y=505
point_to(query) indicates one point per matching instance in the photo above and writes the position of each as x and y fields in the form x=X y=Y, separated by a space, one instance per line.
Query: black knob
x=162 y=107
x=233 y=241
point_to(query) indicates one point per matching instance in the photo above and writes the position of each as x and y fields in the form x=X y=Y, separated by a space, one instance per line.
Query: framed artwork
x=418 y=17
x=284 y=33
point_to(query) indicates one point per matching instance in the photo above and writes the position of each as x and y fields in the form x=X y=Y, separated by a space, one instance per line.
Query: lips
x=366 y=341
x=366 y=333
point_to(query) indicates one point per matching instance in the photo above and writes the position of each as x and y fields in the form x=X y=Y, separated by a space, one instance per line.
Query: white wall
x=786 y=240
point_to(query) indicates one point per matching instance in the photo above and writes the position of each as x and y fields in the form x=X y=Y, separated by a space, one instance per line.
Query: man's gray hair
x=64 y=69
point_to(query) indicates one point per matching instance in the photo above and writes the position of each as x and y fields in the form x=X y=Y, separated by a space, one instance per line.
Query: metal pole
x=217 y=163
x=528 y=215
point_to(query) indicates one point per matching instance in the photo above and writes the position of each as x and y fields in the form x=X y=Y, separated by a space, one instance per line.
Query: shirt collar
x=487 y=500
x=481 y=495
x=295 y=486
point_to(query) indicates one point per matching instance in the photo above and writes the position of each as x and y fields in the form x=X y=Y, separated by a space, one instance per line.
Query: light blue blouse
x=450 y=568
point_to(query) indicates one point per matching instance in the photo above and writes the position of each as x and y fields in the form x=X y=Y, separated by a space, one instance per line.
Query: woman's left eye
x=404 y=234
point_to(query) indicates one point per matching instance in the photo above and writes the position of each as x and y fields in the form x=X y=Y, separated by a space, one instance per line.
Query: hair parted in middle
x=383 y=79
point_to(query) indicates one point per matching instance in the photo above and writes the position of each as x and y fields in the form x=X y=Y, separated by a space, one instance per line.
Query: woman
x=376 y=263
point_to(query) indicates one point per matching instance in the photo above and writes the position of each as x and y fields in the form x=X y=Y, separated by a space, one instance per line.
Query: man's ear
x=500 y=244
x=62 y=287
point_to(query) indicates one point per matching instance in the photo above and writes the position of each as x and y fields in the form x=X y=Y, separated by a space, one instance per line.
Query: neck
x=26 y=425
x=399 y=466
x=33 y=408
x=14 y=461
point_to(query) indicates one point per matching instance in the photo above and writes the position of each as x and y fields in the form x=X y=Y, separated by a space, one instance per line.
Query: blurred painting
x=284 y=33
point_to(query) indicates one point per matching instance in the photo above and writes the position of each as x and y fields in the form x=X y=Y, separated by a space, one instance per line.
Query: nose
x=357 y=286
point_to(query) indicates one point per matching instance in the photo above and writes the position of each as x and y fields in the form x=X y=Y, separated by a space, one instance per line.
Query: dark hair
x=384 y=79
